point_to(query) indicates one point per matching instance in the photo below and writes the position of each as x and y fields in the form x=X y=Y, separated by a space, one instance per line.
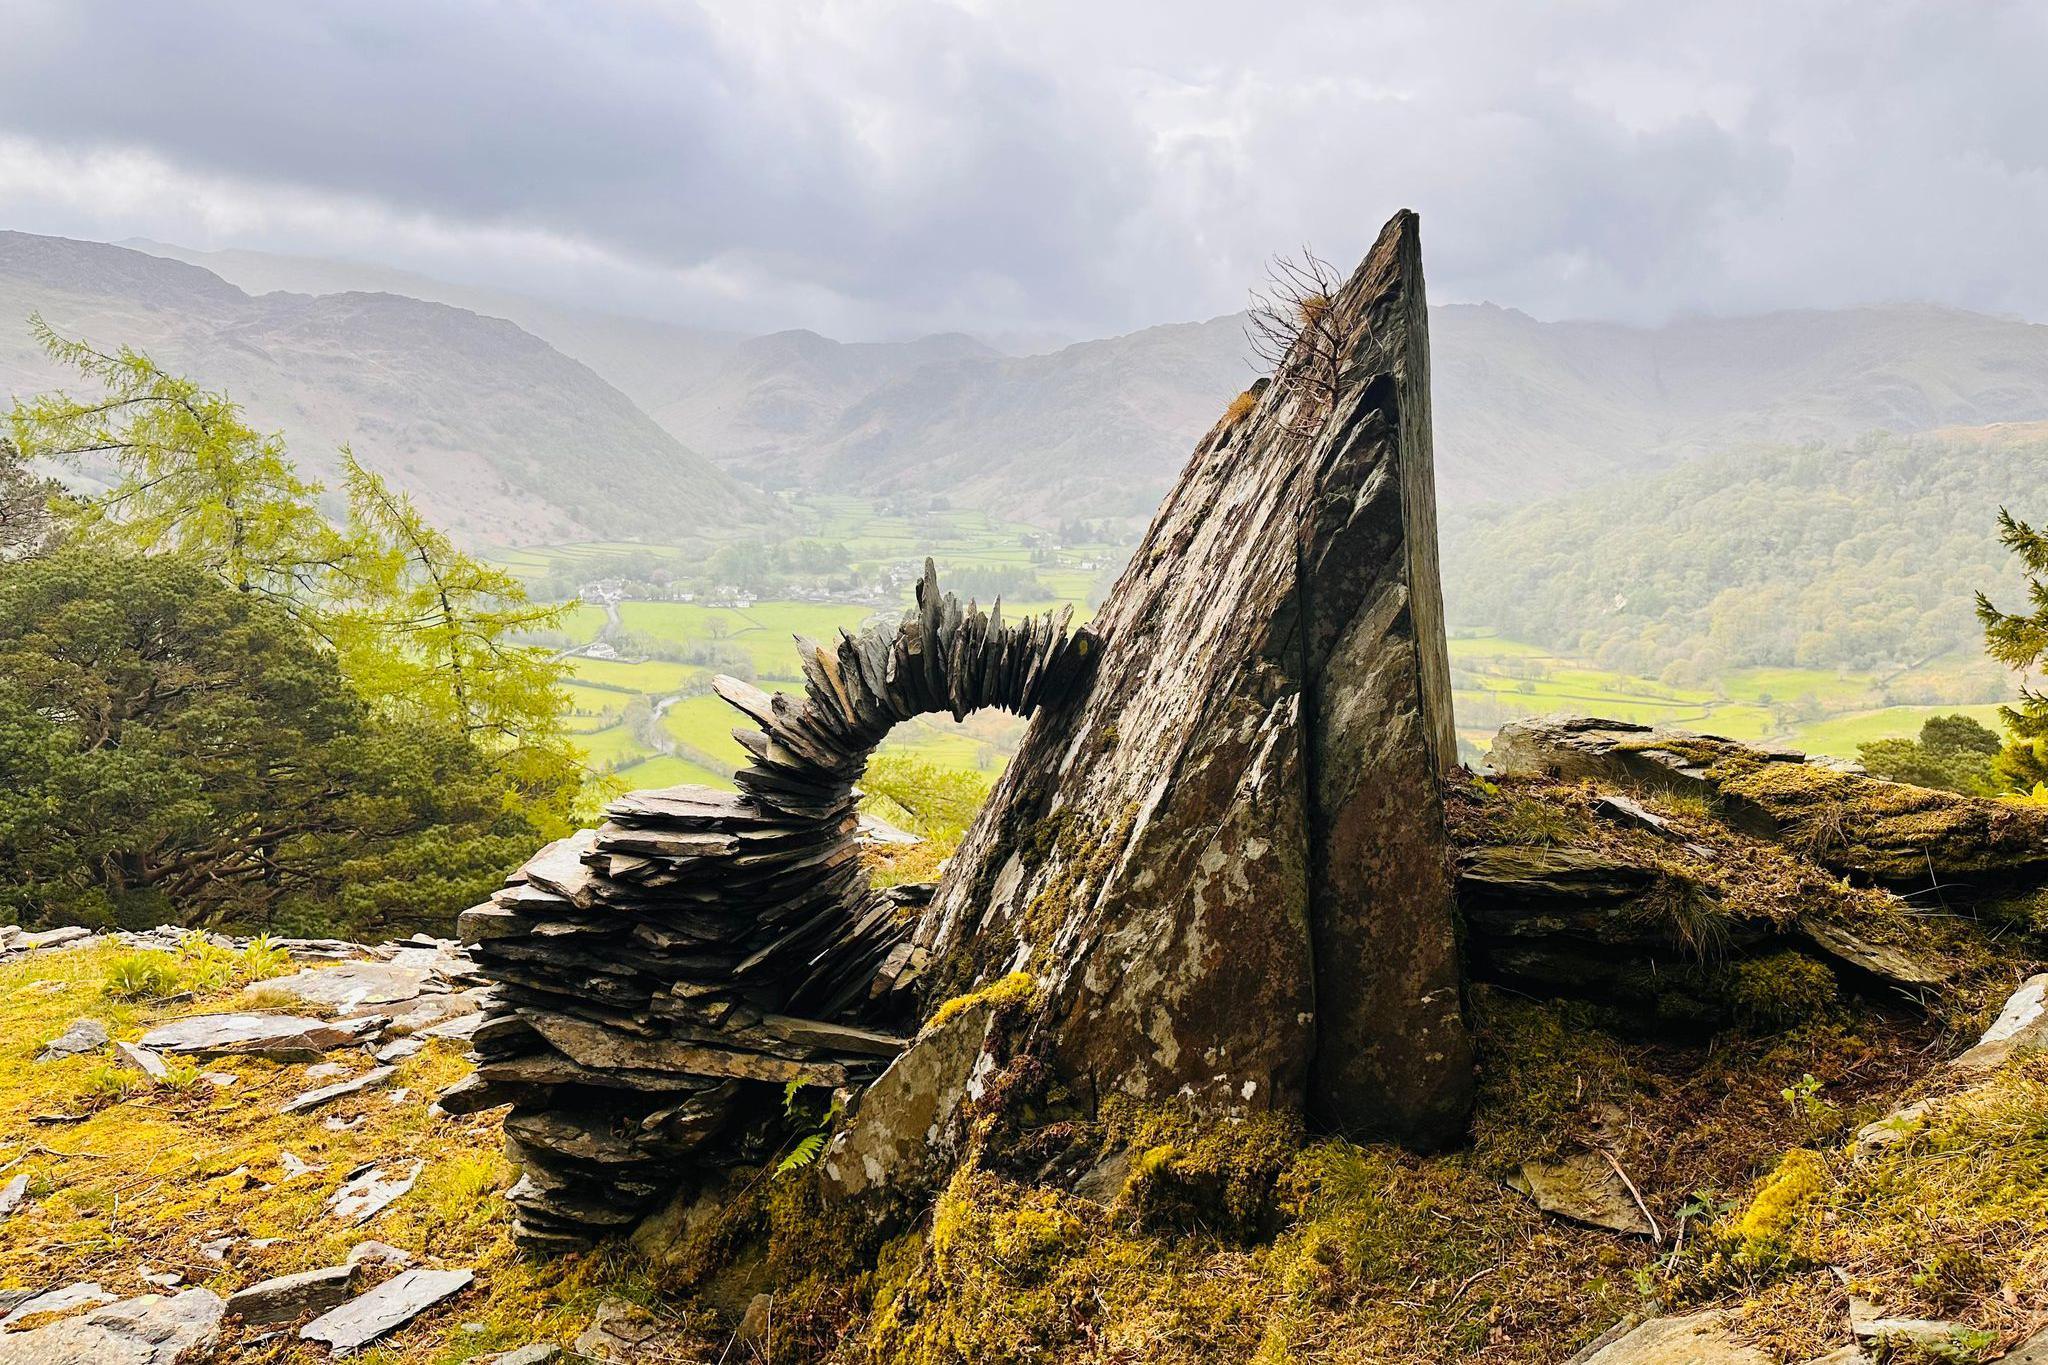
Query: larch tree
x=190 y=475
x=424 y=627
x=441 y=750
x=2019 y=640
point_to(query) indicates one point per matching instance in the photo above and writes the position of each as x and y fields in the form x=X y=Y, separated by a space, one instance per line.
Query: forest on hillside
x=1860 y=556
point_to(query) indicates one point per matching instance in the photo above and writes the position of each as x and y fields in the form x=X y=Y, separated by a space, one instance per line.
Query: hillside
x=760 y=405
x=501 y=437
x=1098 y=428
x=1524 y=408
x=1856 y=555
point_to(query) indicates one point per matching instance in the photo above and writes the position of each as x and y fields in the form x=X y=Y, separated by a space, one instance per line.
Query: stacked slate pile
x=943 y=656
x=662 y=978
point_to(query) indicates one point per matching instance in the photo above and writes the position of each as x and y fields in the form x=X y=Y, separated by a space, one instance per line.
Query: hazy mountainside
x=500 y=436
x=761 y=406
x=1852 y=555
x=1099 y=428
x=1523 y=408
x=771 y=405
x=1526 y=407
x=644 y=360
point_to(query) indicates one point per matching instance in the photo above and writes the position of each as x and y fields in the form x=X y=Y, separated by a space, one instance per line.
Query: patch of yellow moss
x=1949 y=1220
x=142 y=1178
x=1765 y=1232
x=1011 y=989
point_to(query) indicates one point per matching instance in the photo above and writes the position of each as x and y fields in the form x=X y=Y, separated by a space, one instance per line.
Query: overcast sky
x=875 y=169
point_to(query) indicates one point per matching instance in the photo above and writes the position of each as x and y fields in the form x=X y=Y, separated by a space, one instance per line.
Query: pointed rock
x=1229 y=856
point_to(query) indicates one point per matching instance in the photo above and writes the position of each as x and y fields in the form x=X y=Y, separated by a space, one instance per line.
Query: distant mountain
x=1523 y=408
x=1097 y=429
x=758 y=405
x=500 y=436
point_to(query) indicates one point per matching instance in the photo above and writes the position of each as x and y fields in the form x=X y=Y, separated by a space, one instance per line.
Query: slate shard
x=1227 y=860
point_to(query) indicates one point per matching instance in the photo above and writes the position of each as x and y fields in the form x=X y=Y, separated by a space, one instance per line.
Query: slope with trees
x=1863 y=556
x=219 y=706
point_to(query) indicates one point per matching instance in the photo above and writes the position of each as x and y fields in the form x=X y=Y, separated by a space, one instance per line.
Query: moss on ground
x=1249 y=1241
x=1947 y=1221
x=140 y=1177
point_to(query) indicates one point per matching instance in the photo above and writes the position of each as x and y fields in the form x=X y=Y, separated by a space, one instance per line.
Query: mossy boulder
x=1882 y=832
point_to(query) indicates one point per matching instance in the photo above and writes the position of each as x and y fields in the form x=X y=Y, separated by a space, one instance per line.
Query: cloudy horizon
x=878 y=170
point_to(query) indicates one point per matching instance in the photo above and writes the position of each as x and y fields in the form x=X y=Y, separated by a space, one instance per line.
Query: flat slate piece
x=238 y=1033
x=288 y=1298
x=313 y=1099
x=148 y=1330
x=384 y=1309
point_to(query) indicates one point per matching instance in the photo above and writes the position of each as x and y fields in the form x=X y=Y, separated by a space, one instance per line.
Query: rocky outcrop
x=1221 y=867
x=1678 y=920
x=1226 y=860
x=664 y=977
x=1884 y=832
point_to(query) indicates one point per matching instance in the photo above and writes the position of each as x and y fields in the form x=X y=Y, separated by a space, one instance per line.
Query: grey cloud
x=881 y=167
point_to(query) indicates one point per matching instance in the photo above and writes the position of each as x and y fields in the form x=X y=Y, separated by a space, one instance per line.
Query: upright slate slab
x=1226 y=858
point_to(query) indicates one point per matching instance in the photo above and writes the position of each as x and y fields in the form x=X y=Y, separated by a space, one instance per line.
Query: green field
x=1839 y=735
x=766 y=631
x=693 y=733
x=662 y=770
x=655 y=677
x=704 y=725
x=1495 y=679
x=1823 y=711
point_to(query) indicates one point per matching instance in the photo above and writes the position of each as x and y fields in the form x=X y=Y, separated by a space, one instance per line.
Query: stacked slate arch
x=662 y=978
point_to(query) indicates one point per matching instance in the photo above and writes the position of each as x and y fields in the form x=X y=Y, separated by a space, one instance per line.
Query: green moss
x=1545 y=1070
x=1780 y=989
x=1011 y=989
x=1218 y=1174
x=1767 y=1232
x=1943 y=1222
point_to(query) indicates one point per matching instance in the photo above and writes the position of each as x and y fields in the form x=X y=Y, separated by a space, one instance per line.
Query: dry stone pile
x=662 y=978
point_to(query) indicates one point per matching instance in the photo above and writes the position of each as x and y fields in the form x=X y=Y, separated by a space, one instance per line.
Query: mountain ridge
x=500 y=436
x=1525 y=408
